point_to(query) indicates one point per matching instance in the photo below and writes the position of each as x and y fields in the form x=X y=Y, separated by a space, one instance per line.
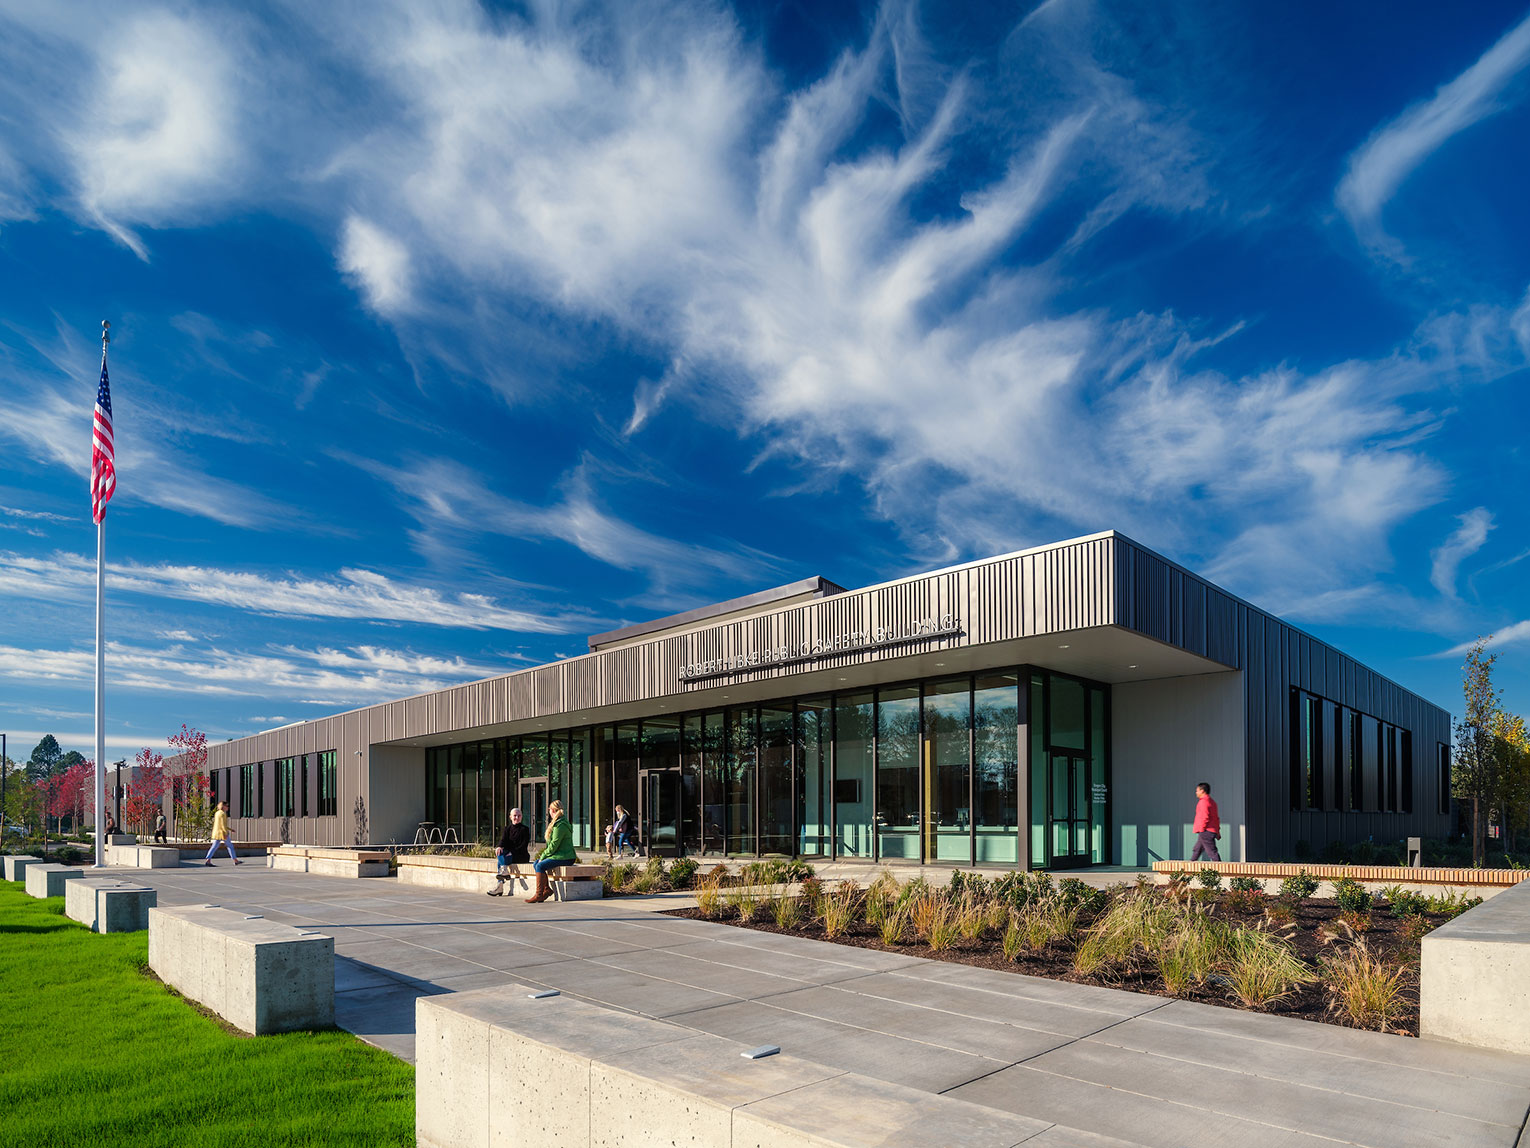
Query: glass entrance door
x=1068 y=810
x=659 y=811
x=532 y=799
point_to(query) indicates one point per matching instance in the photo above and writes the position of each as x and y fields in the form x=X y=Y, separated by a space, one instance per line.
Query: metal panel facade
x=1099 y=581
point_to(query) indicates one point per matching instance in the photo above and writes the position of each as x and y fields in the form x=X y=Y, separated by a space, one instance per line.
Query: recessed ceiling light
x=1064 y=646
x=939 y=664
x=1131 y=667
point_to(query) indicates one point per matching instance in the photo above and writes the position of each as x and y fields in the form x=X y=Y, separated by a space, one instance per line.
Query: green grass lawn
x=95 y=1052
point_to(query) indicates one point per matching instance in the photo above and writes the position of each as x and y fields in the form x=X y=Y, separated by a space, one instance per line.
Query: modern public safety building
x=1051 y=708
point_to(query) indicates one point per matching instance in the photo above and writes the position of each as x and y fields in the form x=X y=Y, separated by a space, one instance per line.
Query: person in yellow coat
x=221 y=835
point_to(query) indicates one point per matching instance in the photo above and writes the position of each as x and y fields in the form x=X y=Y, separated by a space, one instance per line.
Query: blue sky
x=446 y=335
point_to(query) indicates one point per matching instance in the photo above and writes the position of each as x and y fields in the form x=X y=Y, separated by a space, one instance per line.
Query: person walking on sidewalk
x=221 y=835
x=558 y=851
x=1208 y=826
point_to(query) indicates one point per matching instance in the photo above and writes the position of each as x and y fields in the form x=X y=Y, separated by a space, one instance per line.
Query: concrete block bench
x=496 y=1067
x=109 y=906
x=48 y=880
x=329 y=862
x=259 y=976
x=16 y=866
x=478 y=874
x=1473 y=973
x=143 y=856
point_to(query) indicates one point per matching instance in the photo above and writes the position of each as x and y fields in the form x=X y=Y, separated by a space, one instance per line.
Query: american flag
x=103 y=467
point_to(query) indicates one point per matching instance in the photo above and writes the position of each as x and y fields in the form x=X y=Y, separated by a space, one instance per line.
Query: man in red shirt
x=1208 y=826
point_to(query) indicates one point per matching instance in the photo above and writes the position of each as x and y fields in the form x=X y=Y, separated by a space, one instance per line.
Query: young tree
x=193 y=803
x=145 y=792
x=1474 y=766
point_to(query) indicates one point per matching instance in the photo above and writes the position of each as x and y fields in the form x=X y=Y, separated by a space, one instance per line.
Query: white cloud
x=1384 y=161
x=452 y=502
x=1465 y=541
x=378 y=263
x=158 y=134
x=336 y=678
x=359 y=594
x=1507 y=636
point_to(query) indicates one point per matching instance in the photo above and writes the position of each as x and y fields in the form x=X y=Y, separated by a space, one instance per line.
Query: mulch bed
x=1313 y=920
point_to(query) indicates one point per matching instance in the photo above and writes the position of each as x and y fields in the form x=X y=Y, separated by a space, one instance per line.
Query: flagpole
x=101 y=659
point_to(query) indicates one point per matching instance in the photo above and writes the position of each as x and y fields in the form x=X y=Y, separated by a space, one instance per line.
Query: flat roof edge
x=816 y=585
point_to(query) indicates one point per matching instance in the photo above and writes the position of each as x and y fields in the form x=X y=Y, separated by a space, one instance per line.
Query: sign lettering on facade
x=858 y=641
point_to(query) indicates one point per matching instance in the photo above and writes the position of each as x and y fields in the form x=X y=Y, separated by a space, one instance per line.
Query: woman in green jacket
x=558 y=851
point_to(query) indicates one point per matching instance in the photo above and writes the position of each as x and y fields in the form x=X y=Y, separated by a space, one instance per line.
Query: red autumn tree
x=190 y=788
x=67 y=796
x=145 y=792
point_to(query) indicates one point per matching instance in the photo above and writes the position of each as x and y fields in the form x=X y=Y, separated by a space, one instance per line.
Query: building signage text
x=859 y=641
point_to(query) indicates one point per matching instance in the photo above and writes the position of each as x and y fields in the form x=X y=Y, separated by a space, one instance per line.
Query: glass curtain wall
x=854 y=774
x=815 y=736
x=947 y=771
x=916 y=771
x=777 y=786
x=898 y=769
x=996 y=768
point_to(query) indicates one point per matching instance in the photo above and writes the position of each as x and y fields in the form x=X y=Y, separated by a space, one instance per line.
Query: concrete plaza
x=1121 y=1068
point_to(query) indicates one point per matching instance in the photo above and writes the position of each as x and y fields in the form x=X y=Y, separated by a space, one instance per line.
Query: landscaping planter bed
x=1314 y=934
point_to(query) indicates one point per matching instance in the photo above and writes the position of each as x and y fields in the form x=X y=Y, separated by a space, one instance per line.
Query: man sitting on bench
x=514 y=850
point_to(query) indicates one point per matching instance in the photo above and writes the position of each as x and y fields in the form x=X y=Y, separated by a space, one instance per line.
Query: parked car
x=15 y=830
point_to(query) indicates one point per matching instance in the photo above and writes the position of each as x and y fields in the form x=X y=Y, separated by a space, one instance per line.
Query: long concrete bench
x=16 y=866
x=1473 y=974
x=143 y=856
x=478 y=874
x=259 y=976
x=1366 y=874
x=48 y=880
x=498 y=1067
x=109 y=906
x=329 y=862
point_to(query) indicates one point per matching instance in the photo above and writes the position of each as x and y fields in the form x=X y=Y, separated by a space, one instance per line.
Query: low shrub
x=1243 y=900
x=1364 y=989
x=1416 y=928
x=719 y=873
x=1073 y=892
x=622 y=874
x=1356 y=919
x=1299 y=886
x=1246 y=885
x=1452 y=904
x=645 y=883
x=1351 y=896
x=1209 y=879
x=1279 y=913
x=682 y=874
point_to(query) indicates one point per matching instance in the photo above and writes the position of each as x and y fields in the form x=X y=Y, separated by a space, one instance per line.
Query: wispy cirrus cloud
x=452 y=503
x=355 y=594
x=1381 y=165
x=331 y=677
x=1516 y=634
x=1466 y=540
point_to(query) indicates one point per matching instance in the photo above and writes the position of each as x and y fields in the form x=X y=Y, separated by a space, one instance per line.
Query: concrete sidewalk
x=1134 y=1069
